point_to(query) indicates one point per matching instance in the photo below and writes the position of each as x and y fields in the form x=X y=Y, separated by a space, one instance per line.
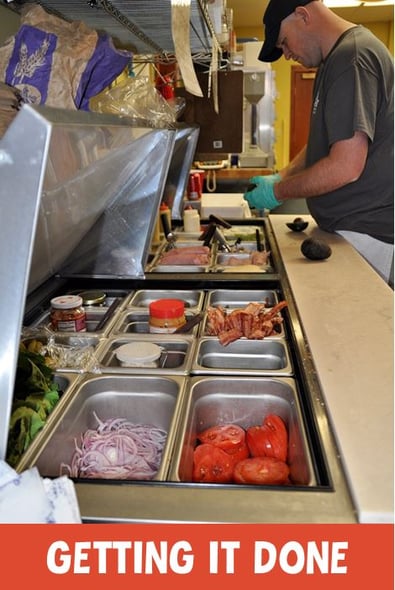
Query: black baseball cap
x=275 y=13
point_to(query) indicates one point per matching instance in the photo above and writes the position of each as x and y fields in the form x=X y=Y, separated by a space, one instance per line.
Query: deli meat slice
x=260 y=258
x=188 y=255
x=186 y=260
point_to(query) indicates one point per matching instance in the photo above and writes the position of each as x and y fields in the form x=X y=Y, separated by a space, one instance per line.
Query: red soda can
x=194 y=190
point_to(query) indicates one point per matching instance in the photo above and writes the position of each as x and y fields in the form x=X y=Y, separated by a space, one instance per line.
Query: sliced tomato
x=228 y=437
x=261 y=471
x=270 y=439
x=241 y=453
x=212 y=465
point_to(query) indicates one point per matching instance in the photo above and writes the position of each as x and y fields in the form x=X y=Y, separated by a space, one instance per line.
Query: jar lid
x=167 y=308
x=66 y=302
x=93 y=297
x=138 y=352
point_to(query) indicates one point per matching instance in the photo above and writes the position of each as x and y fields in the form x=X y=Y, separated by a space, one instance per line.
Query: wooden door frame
x=295 y=108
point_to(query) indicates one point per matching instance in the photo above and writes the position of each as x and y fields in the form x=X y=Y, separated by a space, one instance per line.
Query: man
x=346 y=171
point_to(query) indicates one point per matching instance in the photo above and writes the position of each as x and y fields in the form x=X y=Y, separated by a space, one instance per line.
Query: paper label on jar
x=77 y=325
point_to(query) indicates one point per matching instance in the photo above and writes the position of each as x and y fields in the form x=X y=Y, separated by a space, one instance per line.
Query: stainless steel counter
x=347 y=314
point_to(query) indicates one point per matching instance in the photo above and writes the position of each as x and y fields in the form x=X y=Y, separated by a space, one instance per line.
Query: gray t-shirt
x=353 y=91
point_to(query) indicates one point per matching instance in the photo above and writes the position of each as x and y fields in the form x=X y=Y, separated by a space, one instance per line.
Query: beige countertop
x=346 y=311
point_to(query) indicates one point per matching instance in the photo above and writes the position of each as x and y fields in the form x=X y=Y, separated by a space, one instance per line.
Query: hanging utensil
x=170 y=237
x=219 y=221
x=108 y=314
x=208 y=234
x=223 y=244
x=259 y=245
x=193 y=321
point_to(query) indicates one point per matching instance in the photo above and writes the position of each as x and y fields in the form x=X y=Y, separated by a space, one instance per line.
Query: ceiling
x=249 y=13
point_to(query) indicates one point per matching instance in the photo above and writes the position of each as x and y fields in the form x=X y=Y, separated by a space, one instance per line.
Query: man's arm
x=344 y=164
x=296 y=165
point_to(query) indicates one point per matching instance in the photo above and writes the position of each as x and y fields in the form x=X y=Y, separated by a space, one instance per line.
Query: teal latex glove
x=262 y=196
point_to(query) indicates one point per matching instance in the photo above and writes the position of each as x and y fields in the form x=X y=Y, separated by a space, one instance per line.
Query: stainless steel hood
x=81 y=192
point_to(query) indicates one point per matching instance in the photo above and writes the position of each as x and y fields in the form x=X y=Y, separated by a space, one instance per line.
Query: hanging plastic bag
x=58 y=63
x=137 y=98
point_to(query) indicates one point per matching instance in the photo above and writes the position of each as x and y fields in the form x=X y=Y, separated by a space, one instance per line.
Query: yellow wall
x=282 y=68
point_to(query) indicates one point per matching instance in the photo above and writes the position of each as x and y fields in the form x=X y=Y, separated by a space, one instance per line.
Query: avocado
x=315 y=249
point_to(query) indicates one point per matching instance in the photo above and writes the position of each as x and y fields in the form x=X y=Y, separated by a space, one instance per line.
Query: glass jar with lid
x=166 y=315
x=68 y=314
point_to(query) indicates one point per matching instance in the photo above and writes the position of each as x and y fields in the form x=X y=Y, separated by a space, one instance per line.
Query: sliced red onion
x=117 y=449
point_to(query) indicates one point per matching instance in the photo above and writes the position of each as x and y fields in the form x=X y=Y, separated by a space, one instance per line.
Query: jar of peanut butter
x=166 y=315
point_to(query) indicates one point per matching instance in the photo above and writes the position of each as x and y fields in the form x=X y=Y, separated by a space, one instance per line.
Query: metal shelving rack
x=142 y=26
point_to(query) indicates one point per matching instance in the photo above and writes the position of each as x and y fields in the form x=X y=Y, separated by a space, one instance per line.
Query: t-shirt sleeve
x=351 y=104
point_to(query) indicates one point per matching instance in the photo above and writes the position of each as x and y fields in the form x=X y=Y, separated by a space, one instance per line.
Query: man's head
x=275 y=13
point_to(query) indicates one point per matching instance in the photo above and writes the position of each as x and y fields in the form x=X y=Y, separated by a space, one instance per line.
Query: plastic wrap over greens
x=75 y=353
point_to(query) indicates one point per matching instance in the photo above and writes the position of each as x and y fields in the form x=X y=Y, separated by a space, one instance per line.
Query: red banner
x=226 y=556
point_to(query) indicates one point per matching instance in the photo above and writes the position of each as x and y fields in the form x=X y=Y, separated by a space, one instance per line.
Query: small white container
x=191 y=221
x=139 y=354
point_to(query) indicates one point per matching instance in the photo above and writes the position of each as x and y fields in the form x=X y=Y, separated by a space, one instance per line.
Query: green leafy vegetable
x=35 y=396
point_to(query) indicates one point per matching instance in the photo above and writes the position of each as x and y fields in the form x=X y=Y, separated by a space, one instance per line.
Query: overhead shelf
x=143 y=26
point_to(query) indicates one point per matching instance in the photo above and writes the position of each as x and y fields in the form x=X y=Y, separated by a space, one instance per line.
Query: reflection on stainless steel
x=242 y=357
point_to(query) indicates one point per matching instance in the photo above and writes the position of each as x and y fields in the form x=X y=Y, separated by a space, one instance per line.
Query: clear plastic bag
x=61 y=352
x=138 y=99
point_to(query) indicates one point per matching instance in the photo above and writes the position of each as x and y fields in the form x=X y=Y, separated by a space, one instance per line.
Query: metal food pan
x=185 y=243
x=157 y=266
x=70 y=352
x=185 y=236
x=240 y=268
x=193 y=300
x=243 y=247
x=233 y=300
x=66 y=383
x=240 y=298
x=98 y=318
x=225 y=258
x=242 y=256
x=276 y=335
x=178 y=268
x=213 y=401
x=139 y=399
x=243 y=357
x=137 y=322
x=176 y=357
x=120 y=295
x=238 y=262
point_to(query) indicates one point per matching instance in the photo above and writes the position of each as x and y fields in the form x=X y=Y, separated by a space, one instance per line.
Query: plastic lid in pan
x=138 y=354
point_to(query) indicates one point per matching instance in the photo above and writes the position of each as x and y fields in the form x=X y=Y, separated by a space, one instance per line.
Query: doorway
x=302 y=82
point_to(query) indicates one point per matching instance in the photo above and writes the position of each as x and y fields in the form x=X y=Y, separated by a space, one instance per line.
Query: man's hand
x=262 y=196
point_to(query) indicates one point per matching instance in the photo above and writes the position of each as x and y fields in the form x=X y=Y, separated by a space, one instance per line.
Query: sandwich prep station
x=84 y=190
